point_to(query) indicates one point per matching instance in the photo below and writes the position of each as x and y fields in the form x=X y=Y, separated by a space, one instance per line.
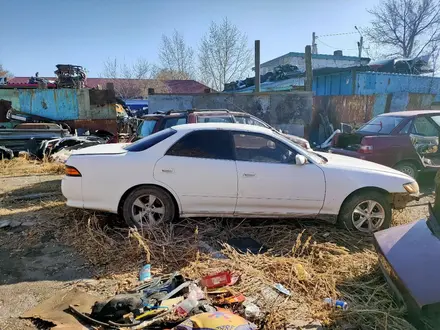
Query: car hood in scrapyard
x=354 y=163
x=103 y=149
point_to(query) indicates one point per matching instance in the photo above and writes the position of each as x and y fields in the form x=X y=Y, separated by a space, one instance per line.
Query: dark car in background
x=156 y=122
x=153 y=123
x=407 y=141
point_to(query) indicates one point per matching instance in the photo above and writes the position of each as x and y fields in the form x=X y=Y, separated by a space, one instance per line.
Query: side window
x=241 y=120
x=255 y=122
x=405 y=129
x=170 y=122
x=422 y=126
x=263 y=149
x=213 y=119
x=212 y=144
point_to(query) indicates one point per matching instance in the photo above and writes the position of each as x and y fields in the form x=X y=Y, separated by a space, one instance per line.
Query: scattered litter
x=29 y=223
x=221 y=319
x=54 y=309
x=251 y=311
x=217 y=280
x=301 y=273
x=15 y=223
x=6 y=153
x=325 y=235
x=145 y=273
x=186 y=306
x=4 y=223
x=282 y=289
x=339 y=304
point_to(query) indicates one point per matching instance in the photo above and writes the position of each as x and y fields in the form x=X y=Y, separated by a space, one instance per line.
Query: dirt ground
x=37 y=258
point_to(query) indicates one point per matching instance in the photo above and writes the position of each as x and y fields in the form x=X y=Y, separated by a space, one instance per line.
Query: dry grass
x=338 y=265
x=21 y=166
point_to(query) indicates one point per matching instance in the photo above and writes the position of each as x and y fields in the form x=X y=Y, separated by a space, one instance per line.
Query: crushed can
x=339 y=304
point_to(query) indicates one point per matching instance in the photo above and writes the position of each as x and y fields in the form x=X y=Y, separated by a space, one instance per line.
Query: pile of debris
x=175 y=302
x=44 y=138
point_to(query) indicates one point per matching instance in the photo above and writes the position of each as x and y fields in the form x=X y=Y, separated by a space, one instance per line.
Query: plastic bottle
x=195 y=292
x=336 y=303
x=186 y=306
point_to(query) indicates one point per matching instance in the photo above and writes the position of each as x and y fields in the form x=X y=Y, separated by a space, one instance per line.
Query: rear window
x=170 y=122
x=381 y=125
x=146 y=128
x=149 y=141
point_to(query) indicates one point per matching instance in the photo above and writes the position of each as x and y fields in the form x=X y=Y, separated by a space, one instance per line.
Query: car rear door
x=201 y=170
x=269 y=181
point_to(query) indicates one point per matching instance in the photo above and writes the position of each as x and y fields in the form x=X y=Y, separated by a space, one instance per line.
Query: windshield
x=146 y=127
x=309 y=154
x=381 y=125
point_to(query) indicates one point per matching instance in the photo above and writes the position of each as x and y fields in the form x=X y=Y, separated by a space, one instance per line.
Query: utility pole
x=360 y=44
x=314 y=46
x=257 y=67
x=309 y=72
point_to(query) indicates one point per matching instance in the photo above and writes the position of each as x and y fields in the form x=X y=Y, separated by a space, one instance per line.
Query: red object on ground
x=216 y=281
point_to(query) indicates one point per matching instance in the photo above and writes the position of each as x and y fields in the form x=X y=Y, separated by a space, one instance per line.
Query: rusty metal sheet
x=108 y=125
x=351 y=109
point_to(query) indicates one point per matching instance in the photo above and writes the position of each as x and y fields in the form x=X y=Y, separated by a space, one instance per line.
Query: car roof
x=224 y=126
x=410 y=113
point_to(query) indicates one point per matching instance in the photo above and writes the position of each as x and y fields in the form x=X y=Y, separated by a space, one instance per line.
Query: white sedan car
x=232 y=170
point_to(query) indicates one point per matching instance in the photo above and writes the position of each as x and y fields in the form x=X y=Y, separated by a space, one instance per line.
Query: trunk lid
x=102 y=149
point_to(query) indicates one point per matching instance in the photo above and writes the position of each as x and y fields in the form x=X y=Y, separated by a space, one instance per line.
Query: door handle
x=248 y=175
x=167 y=170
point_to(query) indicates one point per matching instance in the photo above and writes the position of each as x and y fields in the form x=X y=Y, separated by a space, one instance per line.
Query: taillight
x=72 y=171
x=366 y=149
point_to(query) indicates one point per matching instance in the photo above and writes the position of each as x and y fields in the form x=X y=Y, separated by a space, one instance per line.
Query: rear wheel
x=148 y=207
x=408 y=168
x=367 y=211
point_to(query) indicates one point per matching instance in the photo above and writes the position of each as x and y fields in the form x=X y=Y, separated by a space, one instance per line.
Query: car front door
x=269 y=181
x=201 y=170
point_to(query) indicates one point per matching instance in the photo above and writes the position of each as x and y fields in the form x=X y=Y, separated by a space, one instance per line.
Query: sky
x=35 y=35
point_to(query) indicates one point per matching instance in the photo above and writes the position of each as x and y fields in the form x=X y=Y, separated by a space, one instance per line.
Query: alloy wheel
x=368 y=216
x=148 y=210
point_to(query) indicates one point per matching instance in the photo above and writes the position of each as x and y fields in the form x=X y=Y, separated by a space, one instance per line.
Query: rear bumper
x=71 y=187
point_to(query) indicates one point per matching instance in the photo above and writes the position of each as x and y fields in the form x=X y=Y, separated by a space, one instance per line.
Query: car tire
x=408 y=168
x=138 y=206
x=380 y=216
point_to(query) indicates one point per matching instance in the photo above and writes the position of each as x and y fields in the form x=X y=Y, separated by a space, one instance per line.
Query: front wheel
x=148 y=207
x=366 y=212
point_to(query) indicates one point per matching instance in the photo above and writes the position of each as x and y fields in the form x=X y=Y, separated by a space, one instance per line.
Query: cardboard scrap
x=56 y=309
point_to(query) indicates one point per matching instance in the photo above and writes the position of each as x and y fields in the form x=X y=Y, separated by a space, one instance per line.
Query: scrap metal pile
x=42 y=137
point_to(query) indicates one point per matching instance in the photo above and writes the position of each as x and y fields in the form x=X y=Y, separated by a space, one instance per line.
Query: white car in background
x=232 y=170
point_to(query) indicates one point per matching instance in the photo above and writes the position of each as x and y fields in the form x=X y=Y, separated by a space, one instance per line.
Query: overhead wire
x=338 y=34
x=337 y=48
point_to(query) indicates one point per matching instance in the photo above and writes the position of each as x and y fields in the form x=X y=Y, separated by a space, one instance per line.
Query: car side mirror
x=300 y=160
